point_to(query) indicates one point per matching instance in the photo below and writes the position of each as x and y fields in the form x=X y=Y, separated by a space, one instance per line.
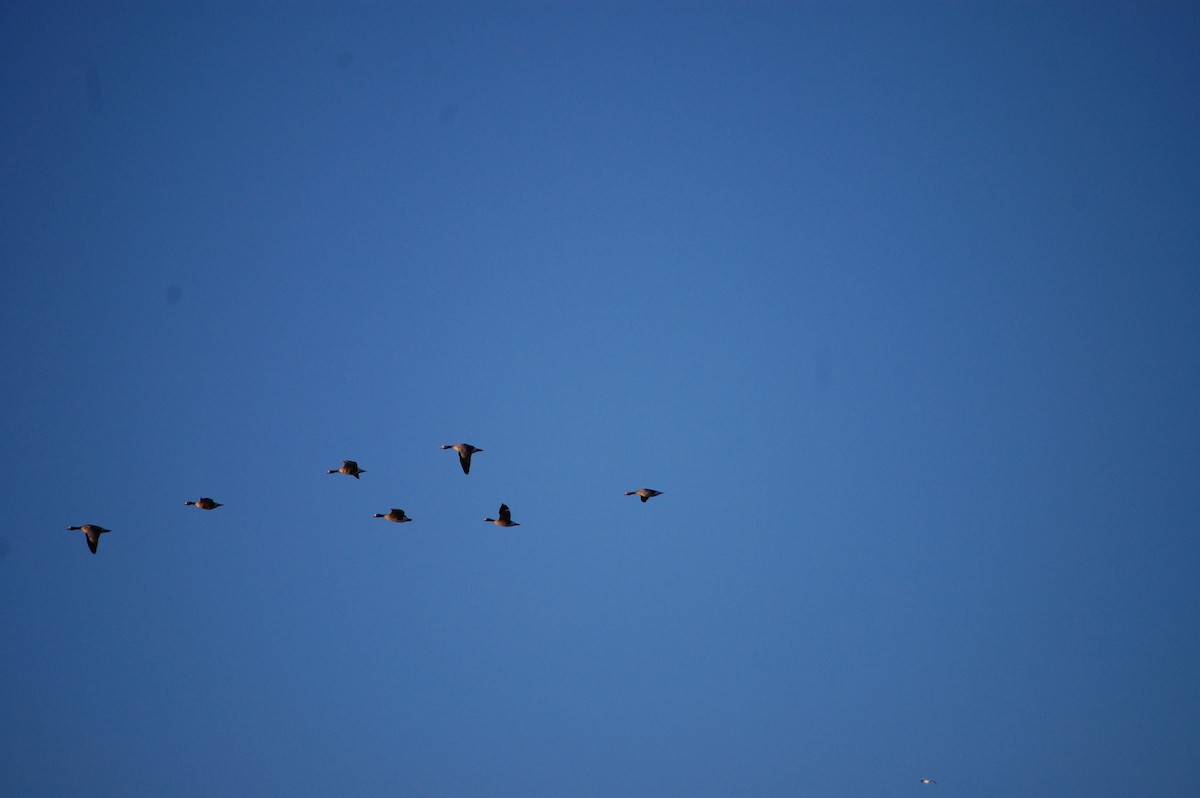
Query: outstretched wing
x=505 y=513
x=93 y=538
x=464 y=460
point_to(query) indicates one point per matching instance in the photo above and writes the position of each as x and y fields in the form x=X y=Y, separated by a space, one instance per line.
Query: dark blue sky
x=897 y=304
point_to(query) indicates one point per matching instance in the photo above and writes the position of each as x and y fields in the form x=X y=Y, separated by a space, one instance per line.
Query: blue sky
x=897 y=304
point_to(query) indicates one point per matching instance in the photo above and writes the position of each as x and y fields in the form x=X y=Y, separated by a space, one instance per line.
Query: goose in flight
x=928 y=780
x=505 y=518
x=465 y=450
x=394 y=514
x=349 y=468
x=645 y=494
x=205 y=503
x=93 y=533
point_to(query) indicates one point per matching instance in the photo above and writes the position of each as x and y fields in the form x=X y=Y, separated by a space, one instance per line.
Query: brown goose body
x=645 y=494
x=505 y=518
x=93 y=533
x=205 y=503
x=394 y=514
x=349 y=468
x=465 y=450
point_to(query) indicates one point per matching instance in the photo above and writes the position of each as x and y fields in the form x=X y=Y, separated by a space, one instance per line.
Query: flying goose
x=928 y=780
x=349 y=468
x=205 y=503
x=93 y=533
x=645 y=494
x=465 y=450
x=505 y=518
x=395 y=514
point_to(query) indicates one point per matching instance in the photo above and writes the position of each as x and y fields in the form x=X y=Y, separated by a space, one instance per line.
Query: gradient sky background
x=897 y=303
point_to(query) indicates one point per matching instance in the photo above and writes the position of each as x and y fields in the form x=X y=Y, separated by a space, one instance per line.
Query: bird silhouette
x=205 y=503
x=93 y=533
x=349 y=468
x=465 y=450
x=505 y=518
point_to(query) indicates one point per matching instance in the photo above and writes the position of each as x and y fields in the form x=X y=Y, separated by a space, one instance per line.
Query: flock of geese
x=351 y=469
